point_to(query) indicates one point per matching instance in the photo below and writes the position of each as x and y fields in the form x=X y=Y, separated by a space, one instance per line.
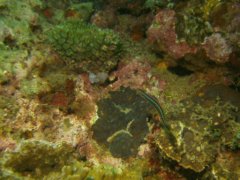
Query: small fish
x=154 y=102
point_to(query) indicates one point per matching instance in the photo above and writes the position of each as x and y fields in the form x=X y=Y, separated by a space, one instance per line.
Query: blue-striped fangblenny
x=154 y=102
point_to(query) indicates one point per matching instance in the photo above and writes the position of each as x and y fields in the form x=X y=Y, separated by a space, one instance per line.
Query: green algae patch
x=191 y=26
x=97 y=49
x=82 y=170
x=45 y=160
x=8 y=108
x=11 y=61
x=8 y=112
x=37 y=158
x=16 y=19
x=123 y=122
x=34 y=86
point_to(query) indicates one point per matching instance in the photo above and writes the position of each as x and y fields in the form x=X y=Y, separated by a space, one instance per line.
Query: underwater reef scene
x=119 y=89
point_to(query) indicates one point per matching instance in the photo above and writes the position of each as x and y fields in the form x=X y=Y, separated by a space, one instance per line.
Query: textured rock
x=163 y=36
x=217 y=48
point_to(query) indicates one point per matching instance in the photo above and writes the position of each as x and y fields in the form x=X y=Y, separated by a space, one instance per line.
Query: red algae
x=162 y=34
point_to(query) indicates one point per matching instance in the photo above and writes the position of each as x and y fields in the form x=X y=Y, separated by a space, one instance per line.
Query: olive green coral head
x=94 y=47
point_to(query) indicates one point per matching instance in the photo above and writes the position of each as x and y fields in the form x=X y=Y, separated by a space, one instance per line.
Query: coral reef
x=34 y=86
x=154 y=97
x=80 y=170
x=41 y=159
x=208 y=7
x=163 y=36
x=200 y=129
x=133 y=74
x=153 y=4
x=81 y=11
x=8 y=108
x=124 y=129
x=95 y=48
x=217 y=49
x=226 y=166
x=17 y=19
x=191 y=26
x=10 y=62
x=36 y=158
x=191 y=29
x=134 y=7
x=235 y=144
x=105 y=18
x=6 y=144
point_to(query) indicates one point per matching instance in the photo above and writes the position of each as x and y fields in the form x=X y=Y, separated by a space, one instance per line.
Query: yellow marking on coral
x=162 y=65
x=208 y=6
x=110 y=139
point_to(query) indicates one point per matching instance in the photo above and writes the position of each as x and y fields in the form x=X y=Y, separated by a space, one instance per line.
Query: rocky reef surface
x=119 y=89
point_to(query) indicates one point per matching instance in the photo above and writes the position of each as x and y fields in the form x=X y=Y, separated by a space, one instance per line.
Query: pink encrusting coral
x=217 y=48
x=163 y=35
x=133 y=74
x=6 y=143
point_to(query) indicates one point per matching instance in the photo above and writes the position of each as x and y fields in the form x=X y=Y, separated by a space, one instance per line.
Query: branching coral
x=95 y=48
